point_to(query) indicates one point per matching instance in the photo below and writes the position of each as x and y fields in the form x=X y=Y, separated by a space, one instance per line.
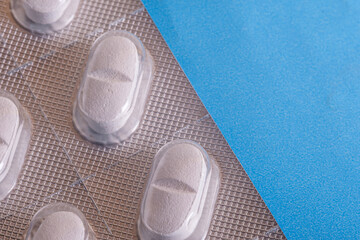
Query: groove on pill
x=114 y=88
x=170 y=184
x=109 y=83
x=178 y=202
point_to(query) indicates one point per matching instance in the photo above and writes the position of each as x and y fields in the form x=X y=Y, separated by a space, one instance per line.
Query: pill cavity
x=177 y=191
x=174 y=188
x=15 y=132
x=59 y=221
x=114 y=88
x=44 y=16
x=60 y=226
x=45 y=11
x=109 y=83
x=9 y=121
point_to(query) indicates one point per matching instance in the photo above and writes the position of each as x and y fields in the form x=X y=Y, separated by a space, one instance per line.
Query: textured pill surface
x=61 y=226
x=9 y=121
x=109 y=82
x=45 y=11
x=173 y=188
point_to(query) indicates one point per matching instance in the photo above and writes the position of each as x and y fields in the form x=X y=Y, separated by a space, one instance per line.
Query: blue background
x=282 y=81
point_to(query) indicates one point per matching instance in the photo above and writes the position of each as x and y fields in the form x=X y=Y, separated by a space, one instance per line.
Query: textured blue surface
x=282 y=81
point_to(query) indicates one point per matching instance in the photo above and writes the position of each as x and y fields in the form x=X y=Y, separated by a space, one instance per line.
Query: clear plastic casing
x=181 y=193
x=44 y=213
x=44 y=16
x=114 y=89
x=15 y=133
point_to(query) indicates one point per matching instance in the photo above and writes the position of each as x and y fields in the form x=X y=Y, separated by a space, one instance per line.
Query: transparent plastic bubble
x=59 y=221
x=114 y=88
x=15 y=133
x=181 y=193
x=44 y=16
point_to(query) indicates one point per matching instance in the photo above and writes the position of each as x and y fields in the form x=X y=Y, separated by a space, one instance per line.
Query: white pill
x=174 y=188
x=181 y=193
x=115 y=55
x=114 y=88
x=109 y=83
x=176 y=193
x=45 y=11
x=61 y=226
x=9 y=121
x=15 y=132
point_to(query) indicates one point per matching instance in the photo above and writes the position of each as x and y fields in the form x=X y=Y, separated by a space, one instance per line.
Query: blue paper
x=282 y=81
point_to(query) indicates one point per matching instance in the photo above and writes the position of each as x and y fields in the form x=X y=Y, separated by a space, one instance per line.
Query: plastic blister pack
x=15 y=133
x=59 y=221
x=180 y=196
x=107 y=182
x=44 y=16
x=114 y=88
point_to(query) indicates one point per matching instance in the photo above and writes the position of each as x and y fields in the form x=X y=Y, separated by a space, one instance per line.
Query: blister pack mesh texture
x=107 y=183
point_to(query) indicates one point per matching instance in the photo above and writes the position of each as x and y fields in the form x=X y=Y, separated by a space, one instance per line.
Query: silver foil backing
x=107 y=183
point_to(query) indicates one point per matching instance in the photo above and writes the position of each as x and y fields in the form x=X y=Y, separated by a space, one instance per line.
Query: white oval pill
x=61 y=226
x=45 y=11
x=9 y=121
x=59 y=221
x=15 y=132
x=114 y=89
x=109 y=83
x=174 y=188
x=178 y=190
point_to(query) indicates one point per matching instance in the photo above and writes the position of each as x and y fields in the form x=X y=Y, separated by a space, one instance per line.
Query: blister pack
x=107 y=165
